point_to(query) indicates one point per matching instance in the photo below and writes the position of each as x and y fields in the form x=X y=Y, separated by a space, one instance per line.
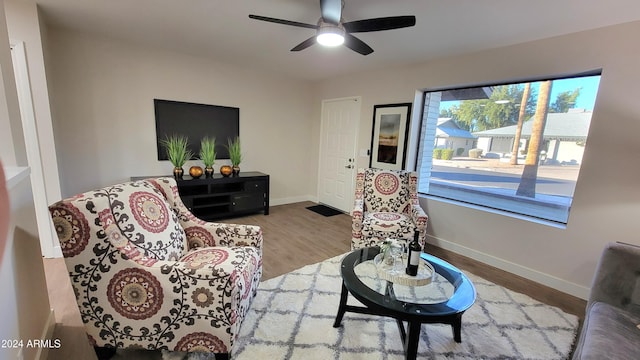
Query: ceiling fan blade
x=331 y=11
x=379 y=24
x=356 y=44
x=305 y=44
x=283 y=22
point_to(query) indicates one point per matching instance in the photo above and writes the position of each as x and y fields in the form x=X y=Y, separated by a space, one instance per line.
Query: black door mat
x=324 y=210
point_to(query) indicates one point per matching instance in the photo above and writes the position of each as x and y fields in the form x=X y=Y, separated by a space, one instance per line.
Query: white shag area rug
x=292 y=318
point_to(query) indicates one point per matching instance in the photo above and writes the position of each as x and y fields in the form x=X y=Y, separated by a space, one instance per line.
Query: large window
x=513 y=147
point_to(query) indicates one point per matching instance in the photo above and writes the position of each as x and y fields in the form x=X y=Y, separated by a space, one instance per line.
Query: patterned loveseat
x=148 y=274
x=386 y=206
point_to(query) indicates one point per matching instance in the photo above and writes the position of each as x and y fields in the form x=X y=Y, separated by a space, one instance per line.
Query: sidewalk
x=564 y=172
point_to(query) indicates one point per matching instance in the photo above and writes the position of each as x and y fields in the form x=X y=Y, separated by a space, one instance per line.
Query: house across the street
x=450 y=136
x=565 y=135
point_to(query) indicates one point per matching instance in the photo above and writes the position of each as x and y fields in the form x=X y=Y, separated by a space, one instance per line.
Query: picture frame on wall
x=389 y=136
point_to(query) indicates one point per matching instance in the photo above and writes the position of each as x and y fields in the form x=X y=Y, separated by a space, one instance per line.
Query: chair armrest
x=617 y=278
x=202 y=295
x=202 y=234
x=357 y=215
x=420 y=218
x=209 y=298
x=203 y=268
x=358 y=206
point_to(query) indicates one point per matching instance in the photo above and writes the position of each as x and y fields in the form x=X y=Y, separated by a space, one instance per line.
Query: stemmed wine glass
x=395 y=249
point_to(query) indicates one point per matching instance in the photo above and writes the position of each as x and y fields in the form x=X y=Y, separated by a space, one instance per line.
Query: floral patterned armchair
x=148 y=274
x=386 y=206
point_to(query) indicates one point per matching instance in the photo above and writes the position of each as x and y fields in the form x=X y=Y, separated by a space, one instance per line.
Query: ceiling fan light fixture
x=330 y=35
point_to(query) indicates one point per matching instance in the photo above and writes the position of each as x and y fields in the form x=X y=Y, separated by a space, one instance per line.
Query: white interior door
x=340 y=120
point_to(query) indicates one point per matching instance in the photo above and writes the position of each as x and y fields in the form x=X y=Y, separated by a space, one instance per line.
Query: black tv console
x=221 y=197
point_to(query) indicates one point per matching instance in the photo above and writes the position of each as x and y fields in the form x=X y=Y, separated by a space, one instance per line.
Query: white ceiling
x=222 y=30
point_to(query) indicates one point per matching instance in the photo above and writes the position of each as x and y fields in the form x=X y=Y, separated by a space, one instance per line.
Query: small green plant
x=437 y=153
x=208 y=151
x=447 y=154
x=177 y=149
x=235 y=153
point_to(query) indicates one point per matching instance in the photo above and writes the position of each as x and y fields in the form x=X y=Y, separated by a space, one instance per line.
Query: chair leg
x=104 y=353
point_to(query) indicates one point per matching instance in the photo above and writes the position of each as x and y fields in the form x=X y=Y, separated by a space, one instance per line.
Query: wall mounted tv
x=196 y=121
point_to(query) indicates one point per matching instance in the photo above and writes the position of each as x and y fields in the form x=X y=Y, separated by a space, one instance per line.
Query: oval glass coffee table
x=443 y=301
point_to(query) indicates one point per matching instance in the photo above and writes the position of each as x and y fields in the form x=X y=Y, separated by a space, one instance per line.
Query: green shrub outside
x=459 y=151
x=437 y=153
x=447 y=154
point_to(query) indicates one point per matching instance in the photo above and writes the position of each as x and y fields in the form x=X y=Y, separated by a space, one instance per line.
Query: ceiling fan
x=333 y=31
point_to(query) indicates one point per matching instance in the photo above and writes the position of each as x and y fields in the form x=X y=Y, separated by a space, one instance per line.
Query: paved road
x=496 y=178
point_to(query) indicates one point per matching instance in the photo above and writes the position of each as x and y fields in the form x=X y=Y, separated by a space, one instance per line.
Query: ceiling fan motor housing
x=330 y=34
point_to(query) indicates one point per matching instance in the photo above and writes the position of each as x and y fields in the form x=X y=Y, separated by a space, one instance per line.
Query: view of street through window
x=516 y=148
x=559 y=180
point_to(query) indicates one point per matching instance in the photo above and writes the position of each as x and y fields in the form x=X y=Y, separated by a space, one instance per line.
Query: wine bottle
x=413 y=258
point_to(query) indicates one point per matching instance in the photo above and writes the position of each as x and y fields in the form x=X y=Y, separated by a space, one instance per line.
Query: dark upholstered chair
x=611 y=326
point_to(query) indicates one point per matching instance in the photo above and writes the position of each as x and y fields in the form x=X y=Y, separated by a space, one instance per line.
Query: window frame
x=426 y=136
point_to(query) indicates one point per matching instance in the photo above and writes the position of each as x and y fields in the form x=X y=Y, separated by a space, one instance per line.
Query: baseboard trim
x=47 y=334
x=527 y=273
x=291 y=200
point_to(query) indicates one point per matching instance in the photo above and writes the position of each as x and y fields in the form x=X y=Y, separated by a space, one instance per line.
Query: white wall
x=104 y=119
x=23 y=25
x=606 y=201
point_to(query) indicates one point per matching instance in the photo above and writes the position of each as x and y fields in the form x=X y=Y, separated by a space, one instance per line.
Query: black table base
x=413 y=315
x=411 y=335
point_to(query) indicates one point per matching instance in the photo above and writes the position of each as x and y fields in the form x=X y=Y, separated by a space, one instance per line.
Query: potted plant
x=177 y=152
x=235 y=154
x=208 y=154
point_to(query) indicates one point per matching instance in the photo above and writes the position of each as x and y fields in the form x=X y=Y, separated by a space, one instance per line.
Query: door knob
x=349 y=167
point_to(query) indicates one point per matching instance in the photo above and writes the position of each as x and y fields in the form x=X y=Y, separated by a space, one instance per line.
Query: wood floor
x=293 y=237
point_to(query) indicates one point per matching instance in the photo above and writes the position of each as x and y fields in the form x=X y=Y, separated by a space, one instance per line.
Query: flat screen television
x=196 y=121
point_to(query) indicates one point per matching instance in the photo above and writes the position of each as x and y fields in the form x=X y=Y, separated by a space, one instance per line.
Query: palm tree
x=521 y=115
x=529 y=177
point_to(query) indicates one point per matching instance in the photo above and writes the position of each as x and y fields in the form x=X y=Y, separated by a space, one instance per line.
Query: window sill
x=489 y=197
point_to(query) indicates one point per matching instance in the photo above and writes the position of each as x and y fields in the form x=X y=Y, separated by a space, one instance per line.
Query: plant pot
x=226 y=170
x=195 y=171
x=208 y=171
x=235 y=170
x=178 y=172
